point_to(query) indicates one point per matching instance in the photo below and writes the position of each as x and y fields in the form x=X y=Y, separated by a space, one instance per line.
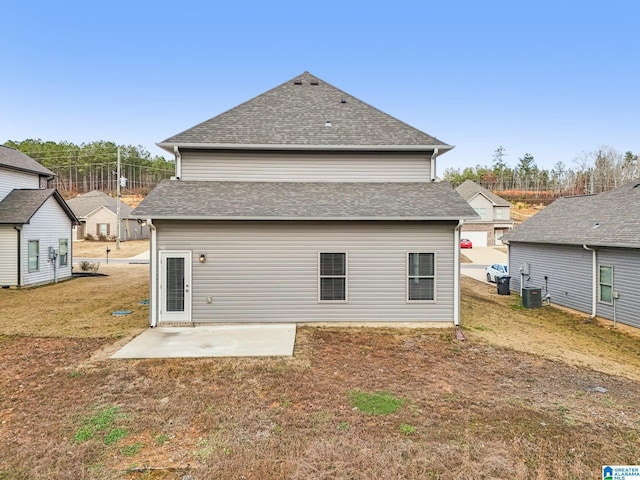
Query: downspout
x=19 y=279
x=594 y=276
x=153 y=263
x=178 y=156
x=433 y=164
x=456 y=274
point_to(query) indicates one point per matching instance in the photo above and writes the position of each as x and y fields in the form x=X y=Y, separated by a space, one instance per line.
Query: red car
x=466 y=243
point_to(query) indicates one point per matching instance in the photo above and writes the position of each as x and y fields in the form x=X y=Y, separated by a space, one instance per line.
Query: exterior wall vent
x=314 y=82
x=297 y=82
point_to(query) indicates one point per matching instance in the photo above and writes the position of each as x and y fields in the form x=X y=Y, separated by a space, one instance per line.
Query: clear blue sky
x=550 y=78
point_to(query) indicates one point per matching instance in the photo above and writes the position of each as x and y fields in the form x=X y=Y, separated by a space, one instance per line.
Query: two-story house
x=304 y=204
x=35 y=223
x=494 y=212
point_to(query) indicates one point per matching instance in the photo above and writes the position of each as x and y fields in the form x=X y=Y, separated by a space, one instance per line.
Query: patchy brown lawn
x=531 y=394
x=91 y=249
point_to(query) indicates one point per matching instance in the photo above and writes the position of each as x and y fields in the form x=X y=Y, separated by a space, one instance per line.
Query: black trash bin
x=503 y=285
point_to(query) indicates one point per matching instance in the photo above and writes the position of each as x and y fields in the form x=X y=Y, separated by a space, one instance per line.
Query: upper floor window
x=482 y=212
x=333 y=277
x=498 y=212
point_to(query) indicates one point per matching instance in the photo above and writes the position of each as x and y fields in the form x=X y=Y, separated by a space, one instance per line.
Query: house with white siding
x=493 y=210
x=35 y=224
x=584 y=252
x=304 y=204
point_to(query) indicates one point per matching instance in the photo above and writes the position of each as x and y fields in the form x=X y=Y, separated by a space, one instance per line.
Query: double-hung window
x=482 y=212
x=333 y=277
x=421 y=277
x=605 y=279
x=34 y=255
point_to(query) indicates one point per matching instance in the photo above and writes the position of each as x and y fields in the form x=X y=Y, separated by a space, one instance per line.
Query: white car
x=496 y=270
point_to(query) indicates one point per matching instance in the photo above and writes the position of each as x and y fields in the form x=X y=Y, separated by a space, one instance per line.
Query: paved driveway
x=481 y=257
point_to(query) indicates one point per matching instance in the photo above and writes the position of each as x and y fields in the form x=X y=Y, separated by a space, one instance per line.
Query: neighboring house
x=98 y=217
x=494 y=212
x=584 y=252
x=35 y=224
x=304 y=204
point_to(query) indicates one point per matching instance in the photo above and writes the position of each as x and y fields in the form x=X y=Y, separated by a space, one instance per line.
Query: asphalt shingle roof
x=16 y=160
x=469 y=189
x=87 y=203
x=298 y=201
x=296 y=114
x=607 y=219
x=19 y=206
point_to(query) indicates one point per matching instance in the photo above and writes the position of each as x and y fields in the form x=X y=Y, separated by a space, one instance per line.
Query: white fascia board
x=325 y=219
x=235 y=146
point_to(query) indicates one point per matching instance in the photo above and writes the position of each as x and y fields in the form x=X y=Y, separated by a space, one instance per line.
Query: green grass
x=377 y=403
x=131 y=450
x=406 y=429
x=100 y=422
x=115 y=436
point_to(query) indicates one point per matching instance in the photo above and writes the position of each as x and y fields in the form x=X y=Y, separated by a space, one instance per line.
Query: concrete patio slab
x=254 y=340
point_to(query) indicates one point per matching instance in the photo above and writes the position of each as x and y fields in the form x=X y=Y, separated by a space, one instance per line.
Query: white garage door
x=479 y=239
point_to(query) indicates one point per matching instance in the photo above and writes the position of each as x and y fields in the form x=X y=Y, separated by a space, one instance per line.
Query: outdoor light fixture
x=203 y=258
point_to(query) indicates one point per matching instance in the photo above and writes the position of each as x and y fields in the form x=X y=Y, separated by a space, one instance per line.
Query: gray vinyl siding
x=10 y=180
x=306 y=167
x=49 y=224
x=626 y=281
x=568 y=270
x=268 y=271
x=8 y=256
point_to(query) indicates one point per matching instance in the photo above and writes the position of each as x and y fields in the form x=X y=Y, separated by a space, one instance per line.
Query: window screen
x=421 y=276
x=333 y=276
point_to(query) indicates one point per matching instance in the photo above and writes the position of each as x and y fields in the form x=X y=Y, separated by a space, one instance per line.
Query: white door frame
x=180 y=310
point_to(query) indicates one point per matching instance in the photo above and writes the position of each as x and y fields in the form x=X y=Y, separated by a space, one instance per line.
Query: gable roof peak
x=296 y=114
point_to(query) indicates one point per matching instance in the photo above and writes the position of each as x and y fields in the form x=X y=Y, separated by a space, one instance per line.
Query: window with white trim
x=63 y=251
x=605 y=280
x=34 y=255
x=333 y=277
x=482 y=212
x=421 y=277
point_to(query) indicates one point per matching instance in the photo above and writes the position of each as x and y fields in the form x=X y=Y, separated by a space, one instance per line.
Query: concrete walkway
x=254 y=340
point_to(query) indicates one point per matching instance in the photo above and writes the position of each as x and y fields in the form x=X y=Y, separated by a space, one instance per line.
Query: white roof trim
x=225 y=146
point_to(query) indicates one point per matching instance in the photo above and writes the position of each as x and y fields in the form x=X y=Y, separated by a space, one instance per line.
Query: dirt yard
x=530 y=394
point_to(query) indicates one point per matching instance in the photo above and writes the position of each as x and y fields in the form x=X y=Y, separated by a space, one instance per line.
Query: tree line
x=93 y=166
x=594 y=172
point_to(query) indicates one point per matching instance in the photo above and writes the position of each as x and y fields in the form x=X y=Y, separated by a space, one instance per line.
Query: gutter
x=178 y=156
x=170 y=147
x=153 y=287
x=456 y=274
x=19 y=279
x=290 y=218
x=594 y=276
x=434 y=155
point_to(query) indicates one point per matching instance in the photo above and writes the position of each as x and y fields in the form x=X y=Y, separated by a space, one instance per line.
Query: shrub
x=87 y=266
